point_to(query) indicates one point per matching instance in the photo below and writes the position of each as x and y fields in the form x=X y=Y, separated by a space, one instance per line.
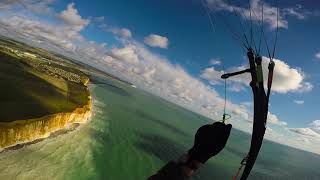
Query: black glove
x=209 y=141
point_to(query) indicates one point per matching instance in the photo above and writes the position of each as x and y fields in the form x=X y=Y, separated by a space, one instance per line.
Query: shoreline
x=59 y=78
x=54 y=134
x=19 y=133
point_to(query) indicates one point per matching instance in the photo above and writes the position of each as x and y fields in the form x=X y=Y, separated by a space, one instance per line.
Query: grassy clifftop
x=39 y=94
x=32 y=92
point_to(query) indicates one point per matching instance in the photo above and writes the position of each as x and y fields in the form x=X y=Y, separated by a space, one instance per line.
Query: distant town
x=45 y=65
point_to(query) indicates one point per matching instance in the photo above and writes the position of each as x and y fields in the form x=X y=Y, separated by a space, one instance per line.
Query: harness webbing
x=243 y=163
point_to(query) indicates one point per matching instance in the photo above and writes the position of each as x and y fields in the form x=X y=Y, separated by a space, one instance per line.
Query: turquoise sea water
x=132 y=134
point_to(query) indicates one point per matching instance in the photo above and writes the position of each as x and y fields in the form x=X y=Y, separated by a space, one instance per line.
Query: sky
x=172 y=49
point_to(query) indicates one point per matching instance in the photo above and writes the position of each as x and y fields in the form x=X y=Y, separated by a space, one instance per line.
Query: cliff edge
x=23 y=131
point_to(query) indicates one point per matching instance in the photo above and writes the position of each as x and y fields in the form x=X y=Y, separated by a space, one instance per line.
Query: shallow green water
x=133 y=134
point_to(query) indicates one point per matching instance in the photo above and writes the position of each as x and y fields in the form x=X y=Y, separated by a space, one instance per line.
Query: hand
x=209 y=141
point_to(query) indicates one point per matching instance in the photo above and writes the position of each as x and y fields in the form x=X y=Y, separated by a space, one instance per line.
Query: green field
x=28 y=93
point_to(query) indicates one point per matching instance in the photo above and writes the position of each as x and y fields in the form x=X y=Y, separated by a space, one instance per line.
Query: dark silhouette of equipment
x=260 y=97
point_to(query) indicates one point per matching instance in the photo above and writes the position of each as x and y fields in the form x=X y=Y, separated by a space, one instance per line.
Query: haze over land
x=168 y=54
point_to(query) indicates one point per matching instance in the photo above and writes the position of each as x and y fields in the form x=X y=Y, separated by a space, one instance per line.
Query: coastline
x=29 y=130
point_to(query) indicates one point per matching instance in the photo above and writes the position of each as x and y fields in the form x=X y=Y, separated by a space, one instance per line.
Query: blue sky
x=113 y=35
x=193 y=44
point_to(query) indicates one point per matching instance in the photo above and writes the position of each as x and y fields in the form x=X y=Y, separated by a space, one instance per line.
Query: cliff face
x=23 y=131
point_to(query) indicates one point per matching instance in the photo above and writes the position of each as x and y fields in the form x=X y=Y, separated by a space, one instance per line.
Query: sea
x=133 y=133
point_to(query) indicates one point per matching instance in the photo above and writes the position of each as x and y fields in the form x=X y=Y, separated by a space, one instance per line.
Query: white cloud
x=155 y=40
x=269 y=131
x=315 y=125
x=155 y=73
x=317 y=55
x=295 y=12
x=270 y=12
x=299 y=102
x=307 y=132
x=123 y=32
x=90 y=49
x=99 y=19
x=247 y=104
x=57 y=35
x=305 y=87
x=126 y=54
x=41 y=7
x=71 y=18
x=269 y=16
x=286 y=78
x=310 y=134
x=303 y=139
x=215 y=61
x=212 y=75
x=273 y=119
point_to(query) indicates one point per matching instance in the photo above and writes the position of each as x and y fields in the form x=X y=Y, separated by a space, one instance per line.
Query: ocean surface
x=132 y=134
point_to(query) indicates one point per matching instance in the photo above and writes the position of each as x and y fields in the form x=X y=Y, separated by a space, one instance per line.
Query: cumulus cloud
x=126 y=54
x=158 y=75
x=120 y=32
x=247 y=104
x=40 y=31
x=315 y=125
x=215 y=61
x=286 y=78
x=317 y=55
x=71 y=18
x=311 y=133
x=295 y=12
x=273 y=119
x=308 y=132
x=270 y=12
x=90 y=49
x=41 y=7
x=56 y=37
x=305 y=87
x=299 y=102
x=123 y=32
x=155 y=40
x=212 y=75
x=99 y=19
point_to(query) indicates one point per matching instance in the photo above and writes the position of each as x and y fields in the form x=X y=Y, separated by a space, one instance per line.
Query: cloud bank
x=310 y=134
